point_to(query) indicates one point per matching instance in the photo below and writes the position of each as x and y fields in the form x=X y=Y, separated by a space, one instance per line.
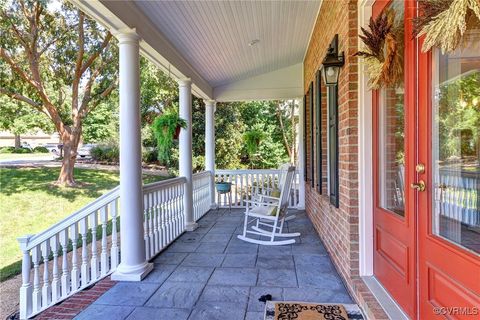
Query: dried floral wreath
x=383 y=50
x=444 y=22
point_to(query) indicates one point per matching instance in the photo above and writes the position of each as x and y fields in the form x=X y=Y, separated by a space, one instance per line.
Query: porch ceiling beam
x=285 y=83
x=119 y=15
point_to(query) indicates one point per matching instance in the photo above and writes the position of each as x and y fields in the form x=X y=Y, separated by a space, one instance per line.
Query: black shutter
x=305 y=137
x=318 y=127
x=333 y=144
x=312 y=135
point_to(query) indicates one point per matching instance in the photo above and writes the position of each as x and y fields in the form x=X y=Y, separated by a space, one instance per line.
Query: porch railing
x=66 y=259
x=85 y=247
x=201 y=193
x=66 y=256
x=164 y=215
x=457 y=194
x=247 y=183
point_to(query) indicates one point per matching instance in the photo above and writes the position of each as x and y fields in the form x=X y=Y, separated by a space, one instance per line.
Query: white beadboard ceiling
x=213 y=36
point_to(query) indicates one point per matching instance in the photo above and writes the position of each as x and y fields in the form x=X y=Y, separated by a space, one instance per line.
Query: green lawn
x=30 y=203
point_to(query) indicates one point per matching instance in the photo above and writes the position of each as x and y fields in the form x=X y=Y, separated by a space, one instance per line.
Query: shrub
x=7 y=149
x=22 y=150
x=105 y=153
x=149 y=156
x=96 y=153
x=40 y=150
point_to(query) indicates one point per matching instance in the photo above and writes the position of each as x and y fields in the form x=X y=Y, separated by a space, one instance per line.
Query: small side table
x=229 y=196
x=226 y=189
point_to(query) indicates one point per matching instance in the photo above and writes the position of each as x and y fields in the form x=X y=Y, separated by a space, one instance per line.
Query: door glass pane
x=391 y=137
x=456 y=144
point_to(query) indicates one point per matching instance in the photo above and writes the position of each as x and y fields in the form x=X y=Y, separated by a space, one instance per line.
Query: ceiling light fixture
x=253 y=42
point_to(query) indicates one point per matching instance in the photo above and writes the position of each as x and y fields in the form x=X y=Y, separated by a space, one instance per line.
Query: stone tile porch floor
x=211 y=274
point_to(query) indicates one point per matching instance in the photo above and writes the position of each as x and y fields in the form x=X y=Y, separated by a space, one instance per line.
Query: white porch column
x=133 y=266
x=210 y=106
x=185 y=150
x=301 y=155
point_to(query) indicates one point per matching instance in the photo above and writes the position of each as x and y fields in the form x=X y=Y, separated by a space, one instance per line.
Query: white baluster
x=75 y=275
x=26 y=288
x=162 y=218
x=46 y=289
x=151 y=213
x=182 y=212
x=156 y=221
x=85 y=268
x=145 y=227
x=65 y=270
x=104 y=252
x=37 y=291
x=114 y=251
x=56 y=293
x=94 y=261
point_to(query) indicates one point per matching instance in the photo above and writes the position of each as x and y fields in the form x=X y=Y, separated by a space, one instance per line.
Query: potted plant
x=222 y=186
x=166 y=129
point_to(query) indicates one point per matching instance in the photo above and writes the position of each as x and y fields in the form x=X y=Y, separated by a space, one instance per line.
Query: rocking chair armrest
x=272 y=198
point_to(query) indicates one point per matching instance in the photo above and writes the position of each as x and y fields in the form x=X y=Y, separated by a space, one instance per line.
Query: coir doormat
x=291 y=310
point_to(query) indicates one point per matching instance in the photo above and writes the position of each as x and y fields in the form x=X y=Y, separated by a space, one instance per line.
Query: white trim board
x=365 y=159
x=389 y=305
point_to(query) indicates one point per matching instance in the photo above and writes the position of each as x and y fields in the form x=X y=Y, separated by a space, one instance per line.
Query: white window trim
x=365 y=159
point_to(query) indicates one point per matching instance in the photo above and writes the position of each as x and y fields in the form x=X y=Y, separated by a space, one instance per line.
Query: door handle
x=419 y=186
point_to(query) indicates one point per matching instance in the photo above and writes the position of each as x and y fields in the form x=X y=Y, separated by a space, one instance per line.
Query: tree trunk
x=70 y=146
x=17 y=141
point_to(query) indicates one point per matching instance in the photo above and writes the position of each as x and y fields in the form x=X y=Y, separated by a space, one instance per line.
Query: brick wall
x=338 y=227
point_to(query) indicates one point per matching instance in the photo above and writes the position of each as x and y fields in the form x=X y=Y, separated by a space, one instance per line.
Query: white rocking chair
x=270 y=215
x=270 y=196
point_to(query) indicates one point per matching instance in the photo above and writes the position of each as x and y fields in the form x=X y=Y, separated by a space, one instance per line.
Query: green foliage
x=101 y=125
x=459 y=117
x=7 y=149
x=229 y=129
x=14 y=150
x=158 y=91
x=40 y=150
x=18 y=119
x=164 y=127
x=106 y=153
x=252 y=140
x=149 y=156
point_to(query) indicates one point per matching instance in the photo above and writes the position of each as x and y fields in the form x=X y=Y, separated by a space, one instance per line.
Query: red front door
x=394 y=163
x=449 y=208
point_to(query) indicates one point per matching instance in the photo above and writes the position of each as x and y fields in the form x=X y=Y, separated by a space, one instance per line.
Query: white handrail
x=103 y=200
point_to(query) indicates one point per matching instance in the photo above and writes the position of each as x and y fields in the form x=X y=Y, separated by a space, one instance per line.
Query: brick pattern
x=72 y=306
x=338 y=228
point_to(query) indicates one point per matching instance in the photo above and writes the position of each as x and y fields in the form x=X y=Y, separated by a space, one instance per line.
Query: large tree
x=62 y=63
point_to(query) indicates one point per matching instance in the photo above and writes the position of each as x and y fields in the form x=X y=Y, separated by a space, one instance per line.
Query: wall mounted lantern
x=332 y=63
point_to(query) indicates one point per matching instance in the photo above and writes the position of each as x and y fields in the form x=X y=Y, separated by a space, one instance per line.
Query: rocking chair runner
x=270 y=215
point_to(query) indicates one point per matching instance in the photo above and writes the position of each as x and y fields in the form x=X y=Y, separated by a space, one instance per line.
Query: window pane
x=391 y=129
x=456 y=144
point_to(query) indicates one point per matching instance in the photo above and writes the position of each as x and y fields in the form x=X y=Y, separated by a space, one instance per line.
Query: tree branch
x=94 y=56
x=19 y=97
x=6 y=57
